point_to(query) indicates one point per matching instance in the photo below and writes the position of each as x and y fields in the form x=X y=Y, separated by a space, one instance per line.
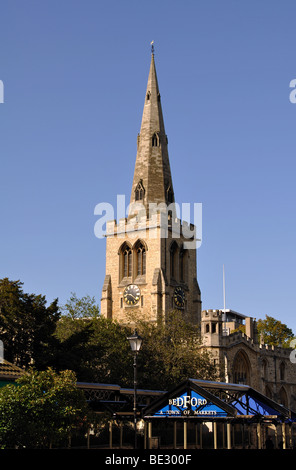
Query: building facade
x=150 y=271
x=243 y=359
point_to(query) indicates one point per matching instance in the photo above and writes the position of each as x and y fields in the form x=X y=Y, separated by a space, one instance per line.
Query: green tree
x=171 y=352
x=26 y=324
x=96 y=348
x=86 y=307
x=43 y=410
x=274 y=332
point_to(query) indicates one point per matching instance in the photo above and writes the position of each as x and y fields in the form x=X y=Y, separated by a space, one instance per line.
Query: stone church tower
x=149 y=268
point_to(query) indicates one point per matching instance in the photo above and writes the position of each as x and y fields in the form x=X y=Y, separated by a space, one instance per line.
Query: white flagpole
x=224 y=299
x=224 y=290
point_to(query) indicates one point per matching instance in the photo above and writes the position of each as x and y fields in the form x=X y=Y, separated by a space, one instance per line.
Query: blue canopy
x=209 y=401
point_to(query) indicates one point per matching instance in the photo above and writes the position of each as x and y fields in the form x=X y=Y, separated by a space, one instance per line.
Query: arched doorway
x=241 y=369
x=283 y=397
x=268 y=392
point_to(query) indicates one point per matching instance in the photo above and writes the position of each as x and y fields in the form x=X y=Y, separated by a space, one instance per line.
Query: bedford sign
x=190 y=406
x=193 y=405
x=186 y=400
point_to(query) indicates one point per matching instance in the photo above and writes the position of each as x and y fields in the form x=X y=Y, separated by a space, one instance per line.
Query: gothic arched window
x=140 y=252
x=265 y=368
x=241 y=369
x=174 y=259
x=128 y=262
x=125 y=261
x=283 y=397
x=282 y=371
x=183 y=264
x=170 y=195
x=268 y=391
x=155 y=140
x=139 y=191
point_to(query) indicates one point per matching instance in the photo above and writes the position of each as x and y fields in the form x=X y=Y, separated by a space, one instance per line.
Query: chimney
x=249 y=327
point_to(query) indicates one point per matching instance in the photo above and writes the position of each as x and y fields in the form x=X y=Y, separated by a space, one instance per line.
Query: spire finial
x=152 y=47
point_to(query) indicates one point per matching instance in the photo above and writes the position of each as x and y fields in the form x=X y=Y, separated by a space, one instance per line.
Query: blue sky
x=75 y=75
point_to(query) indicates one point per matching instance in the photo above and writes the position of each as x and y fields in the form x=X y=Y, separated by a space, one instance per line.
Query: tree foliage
x=42 y=410
x=98 y=350
x=171 y=353
x=26 y=324
x=95 y=347
x=84 y=307
x=274 y=332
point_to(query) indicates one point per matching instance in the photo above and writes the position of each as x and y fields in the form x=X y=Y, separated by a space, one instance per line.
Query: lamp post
x=135 y=343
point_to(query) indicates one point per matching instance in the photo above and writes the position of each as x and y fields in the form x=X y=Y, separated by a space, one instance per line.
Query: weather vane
x=152 y=47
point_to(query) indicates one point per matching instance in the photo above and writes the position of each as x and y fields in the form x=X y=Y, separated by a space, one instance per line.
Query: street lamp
x=135 y=342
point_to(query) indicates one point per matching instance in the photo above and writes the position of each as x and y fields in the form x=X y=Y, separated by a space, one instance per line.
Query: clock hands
x=179 y=297
x=131 y=294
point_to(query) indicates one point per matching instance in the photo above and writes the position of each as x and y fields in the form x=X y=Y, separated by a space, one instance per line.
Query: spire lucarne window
x=155 y=140
x=170 y=195
x=140 y=191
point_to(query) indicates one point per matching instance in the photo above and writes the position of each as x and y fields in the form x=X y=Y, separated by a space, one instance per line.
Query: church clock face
x=179 y=297
x=132 y=294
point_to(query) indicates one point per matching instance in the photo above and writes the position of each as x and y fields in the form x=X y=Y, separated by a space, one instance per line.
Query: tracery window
x=125 y=261
x=132 y=260
x=139 y=191
x=241 y=369
x=141 y=259
x=174 y=259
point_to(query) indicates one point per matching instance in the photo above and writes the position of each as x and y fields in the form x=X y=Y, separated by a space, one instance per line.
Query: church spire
x=152 y=181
